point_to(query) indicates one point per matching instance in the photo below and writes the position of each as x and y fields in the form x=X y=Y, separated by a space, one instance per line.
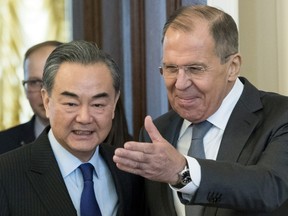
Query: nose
x=182 y=80
x=83 y=115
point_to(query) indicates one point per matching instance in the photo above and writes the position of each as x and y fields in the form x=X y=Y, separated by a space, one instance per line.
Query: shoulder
x=18 y=129
x=13 y=161
x=255 y=99
x=269 y=107
x=15 y=129
x=37 y=154
x=16 y=136
x=171 y=117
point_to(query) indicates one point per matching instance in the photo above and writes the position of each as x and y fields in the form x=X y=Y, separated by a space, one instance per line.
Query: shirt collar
x=68 y=162
x=222 y=115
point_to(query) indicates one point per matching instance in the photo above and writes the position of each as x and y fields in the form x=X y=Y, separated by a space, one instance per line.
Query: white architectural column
x=282 y=41
x=229 y=6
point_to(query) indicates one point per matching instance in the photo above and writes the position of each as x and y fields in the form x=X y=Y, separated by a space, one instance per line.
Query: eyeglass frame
x=188 y=69
x=35 y=85
x=173 y=70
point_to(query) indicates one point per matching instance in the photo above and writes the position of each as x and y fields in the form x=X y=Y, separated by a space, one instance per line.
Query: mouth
x=187 y=101
x=82 y=132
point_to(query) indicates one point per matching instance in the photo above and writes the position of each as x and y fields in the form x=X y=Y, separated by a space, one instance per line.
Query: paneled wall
x=263 y=43
x=131 y=32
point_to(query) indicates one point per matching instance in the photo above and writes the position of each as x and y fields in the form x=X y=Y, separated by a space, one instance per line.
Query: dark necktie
x=197 y=150
x=88 y=202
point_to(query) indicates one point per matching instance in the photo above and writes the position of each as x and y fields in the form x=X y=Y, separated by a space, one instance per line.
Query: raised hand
x=158 y=161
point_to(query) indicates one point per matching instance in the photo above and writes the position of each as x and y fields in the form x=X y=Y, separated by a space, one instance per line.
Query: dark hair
x=119 y=133
x=82 y=52
x=222 y=27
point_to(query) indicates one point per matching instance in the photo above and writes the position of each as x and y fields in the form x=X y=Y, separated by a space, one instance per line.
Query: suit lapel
x=241 y=124
x=232 y=144
x=46 y=179
x=107 y=153
x=171 y=129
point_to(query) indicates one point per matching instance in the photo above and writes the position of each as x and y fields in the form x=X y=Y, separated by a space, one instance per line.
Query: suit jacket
x=17 y=136
x=31 y=183
x=250 y=176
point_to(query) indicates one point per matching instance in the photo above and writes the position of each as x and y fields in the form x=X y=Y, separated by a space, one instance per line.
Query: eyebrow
x=73 y=95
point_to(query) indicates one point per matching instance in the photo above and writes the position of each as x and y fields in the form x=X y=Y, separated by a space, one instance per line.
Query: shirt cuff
x=195 y=173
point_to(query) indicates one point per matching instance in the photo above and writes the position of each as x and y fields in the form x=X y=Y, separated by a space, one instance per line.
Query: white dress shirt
x=104 y=187
x=211 y=143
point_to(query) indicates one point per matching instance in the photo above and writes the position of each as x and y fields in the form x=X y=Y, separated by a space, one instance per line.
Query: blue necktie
x=88 y=203
x=197 y=150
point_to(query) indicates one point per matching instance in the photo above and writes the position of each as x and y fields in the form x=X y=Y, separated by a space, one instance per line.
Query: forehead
x=197 y=42
x=34 y=63
x=83 y=78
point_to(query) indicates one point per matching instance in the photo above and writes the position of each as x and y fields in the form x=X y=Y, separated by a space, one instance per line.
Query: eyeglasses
x=32 y=85
x=171 y=71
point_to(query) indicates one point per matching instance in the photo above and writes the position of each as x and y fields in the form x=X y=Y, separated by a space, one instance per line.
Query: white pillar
x=229 y=6
x=282 y=42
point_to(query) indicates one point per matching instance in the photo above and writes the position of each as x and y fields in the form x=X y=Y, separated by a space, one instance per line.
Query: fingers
x=132 y=154
x=129 y=160
x=152 y=130
x=142 y=147
x=158 y=161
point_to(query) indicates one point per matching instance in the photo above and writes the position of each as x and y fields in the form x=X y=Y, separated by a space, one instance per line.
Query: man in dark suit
x=81 y=86
x=244 y=167
x=33 y=65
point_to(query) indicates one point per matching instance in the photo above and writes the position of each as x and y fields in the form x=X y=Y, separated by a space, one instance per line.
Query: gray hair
x=222 y=27
x=82 y=52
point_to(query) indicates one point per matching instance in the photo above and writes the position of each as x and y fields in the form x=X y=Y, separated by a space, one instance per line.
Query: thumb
x=152 y=130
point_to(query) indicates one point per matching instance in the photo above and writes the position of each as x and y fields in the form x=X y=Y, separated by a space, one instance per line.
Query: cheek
x=33 y=97
x=105 y=119
x=51 y=112
x=169 y=86
x=215 y=93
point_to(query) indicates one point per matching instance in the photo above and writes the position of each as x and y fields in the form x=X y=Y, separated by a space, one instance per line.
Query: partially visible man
x=34 y=61
x=237 y=165
x=81 y=86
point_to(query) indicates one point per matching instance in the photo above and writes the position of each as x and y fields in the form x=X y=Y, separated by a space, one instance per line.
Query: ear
x=234 y=67
x=45 y=99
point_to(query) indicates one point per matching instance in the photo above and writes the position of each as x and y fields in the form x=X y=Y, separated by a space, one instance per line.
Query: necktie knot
x=197 y=148
x=87 y=171
x=200 y=129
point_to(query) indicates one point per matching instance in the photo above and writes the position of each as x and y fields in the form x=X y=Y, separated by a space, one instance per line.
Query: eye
x=70 y=104
x=33 y=82
x=98 y=105
x=171 y=68
x=194 y=69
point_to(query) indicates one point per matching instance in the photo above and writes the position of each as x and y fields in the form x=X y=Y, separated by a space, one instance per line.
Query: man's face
x=81 y=107
x=197 y=96
x=33 y=67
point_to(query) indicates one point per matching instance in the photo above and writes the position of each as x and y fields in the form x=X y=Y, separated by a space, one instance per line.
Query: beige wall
x=264 y=43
